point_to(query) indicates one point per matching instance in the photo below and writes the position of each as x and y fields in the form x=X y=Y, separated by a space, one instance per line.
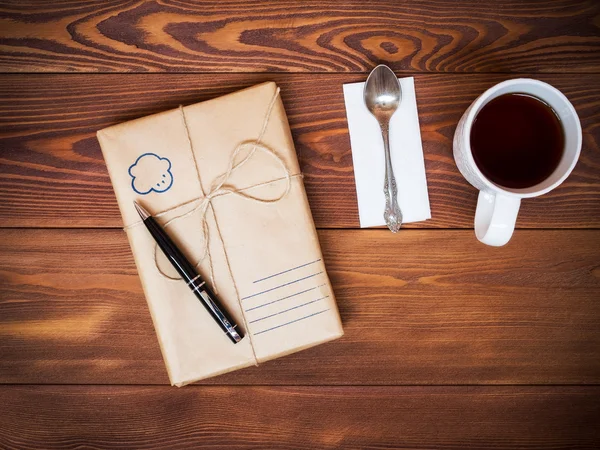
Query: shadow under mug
x=498 y=206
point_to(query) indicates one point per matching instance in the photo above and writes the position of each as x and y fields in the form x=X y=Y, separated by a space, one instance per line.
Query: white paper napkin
x=369 y=160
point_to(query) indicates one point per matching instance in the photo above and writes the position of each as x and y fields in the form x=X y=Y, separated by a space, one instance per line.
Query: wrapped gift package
x=222 y=177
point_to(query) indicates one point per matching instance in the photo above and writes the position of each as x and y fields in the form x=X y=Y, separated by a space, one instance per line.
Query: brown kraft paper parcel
x=223 y=178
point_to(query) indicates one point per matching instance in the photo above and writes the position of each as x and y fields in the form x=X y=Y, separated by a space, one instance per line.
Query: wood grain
x=52 y=173
x=421 y=307
x=310 y=36
x=300 y=417
x=449 y=344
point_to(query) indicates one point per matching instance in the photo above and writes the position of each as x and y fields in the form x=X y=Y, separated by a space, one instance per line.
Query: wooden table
x=449 y=343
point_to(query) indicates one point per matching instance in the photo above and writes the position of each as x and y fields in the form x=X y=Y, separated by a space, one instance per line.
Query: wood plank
x=420 y=307
x=300 y=417
x=53 y=173
x=311 y=36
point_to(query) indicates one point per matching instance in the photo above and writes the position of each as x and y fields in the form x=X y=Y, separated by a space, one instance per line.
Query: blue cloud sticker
x=151 y=173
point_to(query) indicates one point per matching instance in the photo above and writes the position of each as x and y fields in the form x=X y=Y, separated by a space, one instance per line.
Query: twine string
x=221 y=187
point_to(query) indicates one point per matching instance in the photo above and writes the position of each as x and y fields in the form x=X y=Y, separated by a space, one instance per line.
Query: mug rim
x=470 y=118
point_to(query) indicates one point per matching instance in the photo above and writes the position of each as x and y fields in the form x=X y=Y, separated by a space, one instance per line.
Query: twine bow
x=220 y=187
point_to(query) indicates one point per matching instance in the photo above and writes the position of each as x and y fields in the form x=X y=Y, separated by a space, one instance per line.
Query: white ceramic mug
x=498 y=206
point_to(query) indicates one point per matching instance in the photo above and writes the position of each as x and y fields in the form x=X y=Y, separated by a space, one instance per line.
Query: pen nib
x=141 y=211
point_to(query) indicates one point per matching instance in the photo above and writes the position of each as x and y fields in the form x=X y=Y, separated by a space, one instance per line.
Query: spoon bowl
x=382 y=92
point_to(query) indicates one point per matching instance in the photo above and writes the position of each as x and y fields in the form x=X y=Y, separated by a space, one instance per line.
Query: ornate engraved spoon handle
x=392 y=213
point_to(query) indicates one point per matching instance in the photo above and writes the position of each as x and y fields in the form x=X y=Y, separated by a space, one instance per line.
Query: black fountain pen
x=190 y=276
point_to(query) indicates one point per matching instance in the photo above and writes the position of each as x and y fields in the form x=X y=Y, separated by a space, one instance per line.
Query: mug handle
x=495 y=218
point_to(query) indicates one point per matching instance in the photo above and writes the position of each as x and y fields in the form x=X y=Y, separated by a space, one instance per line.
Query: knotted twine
x=219 y=188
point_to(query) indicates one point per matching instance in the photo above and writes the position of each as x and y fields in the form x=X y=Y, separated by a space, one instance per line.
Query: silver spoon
x=382 y=96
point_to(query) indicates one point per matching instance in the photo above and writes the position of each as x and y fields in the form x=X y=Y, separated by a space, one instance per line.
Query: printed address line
x=293 y=321
x=289 y=309
x=283 y=285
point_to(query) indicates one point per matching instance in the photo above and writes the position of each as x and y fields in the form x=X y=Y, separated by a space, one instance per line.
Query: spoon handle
x=392 y=214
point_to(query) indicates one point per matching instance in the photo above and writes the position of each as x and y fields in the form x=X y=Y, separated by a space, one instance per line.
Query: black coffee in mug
x=517 y=140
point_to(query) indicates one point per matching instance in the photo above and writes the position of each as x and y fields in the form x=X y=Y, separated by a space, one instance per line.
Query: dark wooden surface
x=449 y=343
x=445 y=417
x=309 y=36
x=53 y=173
x=422 y=307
